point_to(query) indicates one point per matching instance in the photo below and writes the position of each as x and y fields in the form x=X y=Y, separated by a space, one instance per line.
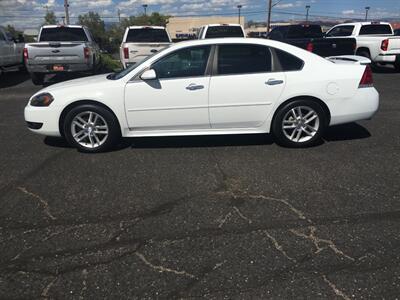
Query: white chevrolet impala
x=209 y=87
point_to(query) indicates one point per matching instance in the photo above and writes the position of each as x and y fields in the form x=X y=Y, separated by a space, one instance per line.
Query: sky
x=24 y=14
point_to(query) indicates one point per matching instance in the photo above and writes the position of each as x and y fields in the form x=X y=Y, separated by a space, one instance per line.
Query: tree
x=50 y=18
x=96 y=27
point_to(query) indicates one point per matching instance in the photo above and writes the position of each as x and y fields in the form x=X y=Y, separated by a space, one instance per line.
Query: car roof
x=141 y=27
x=364 y=23
x=67 y=26
x=225 y=24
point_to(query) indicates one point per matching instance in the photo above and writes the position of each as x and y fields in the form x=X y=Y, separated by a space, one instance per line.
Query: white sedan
x=209 y=87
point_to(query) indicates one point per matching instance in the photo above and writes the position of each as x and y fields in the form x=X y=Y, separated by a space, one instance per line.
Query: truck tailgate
x=138 y=51
x=394 y=45
x=333 y=47
x=56 y=52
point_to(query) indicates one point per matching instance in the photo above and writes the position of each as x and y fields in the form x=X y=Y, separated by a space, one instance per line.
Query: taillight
x=126 y=53
x=366 y=79
x=385 y=45
x=26 y=55
x=86 y=52
x=310 y=47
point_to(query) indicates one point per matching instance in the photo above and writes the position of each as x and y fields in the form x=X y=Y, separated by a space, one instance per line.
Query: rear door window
x=375 y=29
x=224 y=31
x=341 y=31
x=147 y=35
x=243 y=59
x=63 y=34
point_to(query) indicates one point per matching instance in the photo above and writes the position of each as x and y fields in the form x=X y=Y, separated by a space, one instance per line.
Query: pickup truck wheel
x=298 y=124
x=91 y=128
x=37 y=78
x=397 y=66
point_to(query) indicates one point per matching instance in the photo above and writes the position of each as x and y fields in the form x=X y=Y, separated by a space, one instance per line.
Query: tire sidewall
x=112 y=123
x=277 y=129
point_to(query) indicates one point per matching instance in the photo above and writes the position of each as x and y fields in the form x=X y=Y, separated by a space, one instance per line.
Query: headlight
x=43 y=99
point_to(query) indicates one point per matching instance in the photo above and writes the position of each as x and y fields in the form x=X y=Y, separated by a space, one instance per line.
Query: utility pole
x=145 y=9
x=66 y=5
x=366 y=12
x=308 y=9
x=239 y=8
x=269 y=16
x=119 y=15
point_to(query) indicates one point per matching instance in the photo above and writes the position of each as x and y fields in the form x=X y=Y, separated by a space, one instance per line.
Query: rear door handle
x=274 y=82
x=194 y=87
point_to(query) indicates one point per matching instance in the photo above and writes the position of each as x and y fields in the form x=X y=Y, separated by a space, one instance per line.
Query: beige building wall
x=188 y=26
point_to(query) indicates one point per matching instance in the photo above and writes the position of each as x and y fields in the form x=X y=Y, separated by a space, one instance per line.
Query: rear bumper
x=362 y=106
x=68 y=68
x=387 y=58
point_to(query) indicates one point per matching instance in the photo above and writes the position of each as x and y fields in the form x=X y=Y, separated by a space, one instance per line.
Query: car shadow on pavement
x=345 y=132
x=385 y=70
x=10 y=79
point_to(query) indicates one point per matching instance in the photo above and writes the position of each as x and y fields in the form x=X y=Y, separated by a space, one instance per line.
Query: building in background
x=183 y=28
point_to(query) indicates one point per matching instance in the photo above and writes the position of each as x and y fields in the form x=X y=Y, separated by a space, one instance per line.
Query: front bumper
x=362 y=106
x=48 y=117
x=68 y=68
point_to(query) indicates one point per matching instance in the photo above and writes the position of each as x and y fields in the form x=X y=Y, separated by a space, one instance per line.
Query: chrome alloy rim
x=300 y=124
x=89 y=129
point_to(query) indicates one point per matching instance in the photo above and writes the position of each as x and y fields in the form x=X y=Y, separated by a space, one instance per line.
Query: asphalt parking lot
x=233 y=217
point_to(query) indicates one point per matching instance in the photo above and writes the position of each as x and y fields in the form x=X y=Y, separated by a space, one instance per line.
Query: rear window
x=288 y=61
x=63 y=34
x=375 y=29
x=304 y=31
x=224 y=31
x=147 y=35
x=341 y=31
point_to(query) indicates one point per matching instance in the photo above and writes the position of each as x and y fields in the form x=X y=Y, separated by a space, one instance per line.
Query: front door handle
x=194 y=87
x=274 y=82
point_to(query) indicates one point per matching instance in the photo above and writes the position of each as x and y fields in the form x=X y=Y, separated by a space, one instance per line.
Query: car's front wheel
x=91 y=128
x=300 y=123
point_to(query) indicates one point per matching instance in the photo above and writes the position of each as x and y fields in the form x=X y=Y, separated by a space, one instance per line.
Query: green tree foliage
x=96 y=26
x=50 y=18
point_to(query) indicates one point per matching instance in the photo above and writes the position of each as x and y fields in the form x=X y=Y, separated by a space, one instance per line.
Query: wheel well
x=82 y=102
x=363 y=49
x=319 y=101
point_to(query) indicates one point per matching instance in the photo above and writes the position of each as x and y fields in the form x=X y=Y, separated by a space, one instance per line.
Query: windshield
x=124 y=72
x=147 y=35
x=63 y=34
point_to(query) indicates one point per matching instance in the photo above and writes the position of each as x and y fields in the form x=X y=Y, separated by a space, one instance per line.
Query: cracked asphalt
x=224 y=217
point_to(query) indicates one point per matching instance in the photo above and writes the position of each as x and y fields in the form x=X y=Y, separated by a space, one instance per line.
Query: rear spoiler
x=349 y=59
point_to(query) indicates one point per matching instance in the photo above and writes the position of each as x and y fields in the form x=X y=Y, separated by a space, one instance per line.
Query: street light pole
x=66 y=5
x=366 y=12
x=239 y=9
x=145 y=9
x=308 y=9
x=269 y=16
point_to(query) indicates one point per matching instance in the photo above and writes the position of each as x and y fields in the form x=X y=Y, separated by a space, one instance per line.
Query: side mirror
x=149 y=75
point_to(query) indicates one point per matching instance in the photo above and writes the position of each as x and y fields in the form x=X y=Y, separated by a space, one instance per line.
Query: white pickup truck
x=61 y=49
x=10 y=51
x=213 y=31
x=140 y=42
x=375 y=40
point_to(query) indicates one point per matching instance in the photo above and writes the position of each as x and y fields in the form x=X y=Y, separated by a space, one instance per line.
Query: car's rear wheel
x=91 y=128
x=300 y=123
x=37 y=78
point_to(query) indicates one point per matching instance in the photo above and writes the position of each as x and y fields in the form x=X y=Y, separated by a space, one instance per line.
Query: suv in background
x=10 y=51
x=213 y=31
x=141 y=41
x=61 y=49
x=311 y=38
x=375 y=40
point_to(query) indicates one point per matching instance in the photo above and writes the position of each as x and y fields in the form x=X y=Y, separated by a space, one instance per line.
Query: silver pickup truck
x=61 y=49
x=10 y=51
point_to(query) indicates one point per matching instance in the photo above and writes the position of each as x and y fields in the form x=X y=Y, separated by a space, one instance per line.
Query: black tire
x=283 y=136
x=37 y=78
x=364 y=53
x=397 y=66
x=114 y=133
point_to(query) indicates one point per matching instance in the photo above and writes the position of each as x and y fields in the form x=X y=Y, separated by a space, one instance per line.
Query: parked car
x=11 y=51
x=209 y=87
x=311 y=38
x=214 y=31
x=142 y=41
x=375 y=40
x=61 y=49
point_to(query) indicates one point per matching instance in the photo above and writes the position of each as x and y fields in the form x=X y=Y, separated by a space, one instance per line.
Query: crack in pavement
x=162 y=269
x=223 y=220
x=84 y=284
x=278 y=246
x=45 y=205
x=335 y=289
x=46 y=290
